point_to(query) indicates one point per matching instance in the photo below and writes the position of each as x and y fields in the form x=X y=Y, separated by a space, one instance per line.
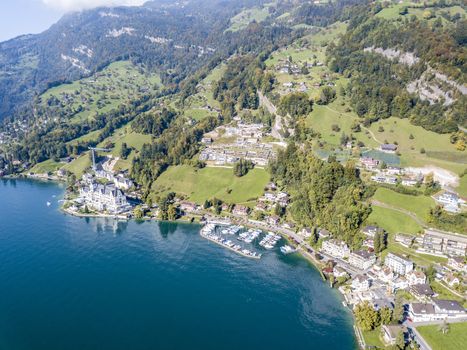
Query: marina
x=270 y=241
x=209 y=232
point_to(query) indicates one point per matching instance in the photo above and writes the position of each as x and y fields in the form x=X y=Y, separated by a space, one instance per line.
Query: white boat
x=49 y=204
x=286 y=249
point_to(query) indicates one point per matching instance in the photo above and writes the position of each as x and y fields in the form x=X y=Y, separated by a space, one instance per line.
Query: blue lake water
x=75 y=283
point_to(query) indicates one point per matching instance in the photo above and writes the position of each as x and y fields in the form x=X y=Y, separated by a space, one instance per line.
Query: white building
x=361 y=283
x=415 y=277
x=397 y=264
x=361 y=259
x=104 y=198
x=336 y=248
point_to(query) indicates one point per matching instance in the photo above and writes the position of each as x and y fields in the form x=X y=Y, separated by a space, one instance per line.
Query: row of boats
x=209 y=232
x=249 y=236
x=269 y=241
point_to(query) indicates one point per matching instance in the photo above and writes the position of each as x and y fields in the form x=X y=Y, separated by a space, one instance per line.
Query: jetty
x=208 y=232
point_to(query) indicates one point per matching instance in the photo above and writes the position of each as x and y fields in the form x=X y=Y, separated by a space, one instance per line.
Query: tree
x=398 y=313
x=242 y=167
x=385 y=315
x=326 y=95
x=367 y=317
x=400 y=340
x=138 y=213
x=444 y=327
x=124 y=151
x=430 y=273
x=171 y=213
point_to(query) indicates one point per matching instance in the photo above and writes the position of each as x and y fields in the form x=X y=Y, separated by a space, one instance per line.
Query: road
x=277 y=127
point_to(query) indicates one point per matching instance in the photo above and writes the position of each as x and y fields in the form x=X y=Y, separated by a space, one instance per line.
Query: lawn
x=393 y=221
x=322 y=118
x=419 y=205
x=444 y=293
x=241 y=20
x=372 y=338
x=201 y=184
x=462 y=189
x=455 y=339
x=79 y=165
x=48 y=166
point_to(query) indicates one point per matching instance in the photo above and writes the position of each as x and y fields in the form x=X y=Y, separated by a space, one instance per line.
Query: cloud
x=75 y=5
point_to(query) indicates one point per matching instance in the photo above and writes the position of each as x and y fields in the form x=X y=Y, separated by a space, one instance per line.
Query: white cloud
x=75 y=5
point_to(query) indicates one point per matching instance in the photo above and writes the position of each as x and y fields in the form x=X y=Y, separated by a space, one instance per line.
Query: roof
x=389 y=146
x=423 y=308
x=393 y=330
x=363 y=254
x=449 y=305
x=422 y=289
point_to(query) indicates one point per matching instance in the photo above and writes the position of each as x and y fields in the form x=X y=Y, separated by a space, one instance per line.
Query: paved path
x=277 y=127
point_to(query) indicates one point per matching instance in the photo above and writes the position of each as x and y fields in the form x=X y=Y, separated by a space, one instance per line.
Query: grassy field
x=79 y=165
x=202 y=184
x=48 y=166
x=393 y=221
x=241 y=20
x=455 y=339
x=372 y=338
x=462 y=189
x=444 y=293
x=439 y=150
x=102 y=92
x=419 y=205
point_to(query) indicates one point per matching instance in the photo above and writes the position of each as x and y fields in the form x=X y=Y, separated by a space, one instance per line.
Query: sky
x=19 y=17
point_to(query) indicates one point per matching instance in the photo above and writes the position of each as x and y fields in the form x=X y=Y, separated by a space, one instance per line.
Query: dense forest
x=379 y=87
x=325 y=193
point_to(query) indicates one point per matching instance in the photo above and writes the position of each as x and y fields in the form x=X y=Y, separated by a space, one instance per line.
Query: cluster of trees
x=448 y=222
x=237 y=88
x=154 y=122
x=325 y=193
x=242 y=167
x=378 y=86
x=368 y=318
x=296 y=104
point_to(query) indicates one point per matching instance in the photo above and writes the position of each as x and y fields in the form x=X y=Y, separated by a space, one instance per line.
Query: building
x=423 y=312
x=240 y=210
x=336 y=248
x=450 y=308
x=388 y=148
x=384 y=179
x=273 y=220
x=361 y=283
x=439 y=310
x=361 y=259
x=415 y=277
x=122 y=182
x=443 y=244
x=323 y=233
x=405 y=240
x=385 y=274
x=450 y=201
x=422 y=291
x=458 y=263
x=451 y=280
x=371 y=230
x=104 y=198
x=339 y=272
x=306 y=232
x=397 y=264
x=369 y=163
x=390 y=333
x=188 y=207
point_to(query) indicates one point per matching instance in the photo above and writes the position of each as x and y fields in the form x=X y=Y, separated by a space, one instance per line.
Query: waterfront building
x=104 y=198
x=362 y=259
x=188 y=207
x=398 y=264
x=336 y=248
x=240 y=210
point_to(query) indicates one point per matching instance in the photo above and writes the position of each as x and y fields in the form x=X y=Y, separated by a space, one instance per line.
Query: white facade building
x=361 y=259
x=397 y=264
x=104 y=198
x=336 y=248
